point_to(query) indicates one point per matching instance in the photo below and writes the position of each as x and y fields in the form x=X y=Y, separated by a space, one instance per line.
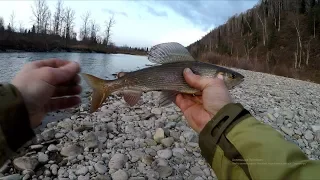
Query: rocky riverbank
x=147 y=142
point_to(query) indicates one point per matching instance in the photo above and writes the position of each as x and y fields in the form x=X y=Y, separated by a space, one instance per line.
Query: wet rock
x=117 y=161
x=159 y=135
x=90 y=140
x=167 y=142
x=165 y=154
x=100 y=168
x=48 y=134
x=164 y=171
x=120 y=175
x=23 y=163
x=42 y=158
x=287 y=130
x=71 y=150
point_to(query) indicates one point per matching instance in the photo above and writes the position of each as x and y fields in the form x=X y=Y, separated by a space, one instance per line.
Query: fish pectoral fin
x=132 y=97
x=167 y=97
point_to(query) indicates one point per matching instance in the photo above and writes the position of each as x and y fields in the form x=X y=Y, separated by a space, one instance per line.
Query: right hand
x=199 y=110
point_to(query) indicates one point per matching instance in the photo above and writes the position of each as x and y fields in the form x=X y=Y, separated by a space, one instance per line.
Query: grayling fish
x=167 y=76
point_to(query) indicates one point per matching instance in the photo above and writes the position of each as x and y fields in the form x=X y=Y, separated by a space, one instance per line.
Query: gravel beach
x=147 y=142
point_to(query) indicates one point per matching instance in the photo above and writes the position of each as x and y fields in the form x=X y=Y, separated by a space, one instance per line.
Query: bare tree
x=47 y=22
x=1 y=22
x=94 y=31
x=109 y=25
x=69 y=17
x=40 y=13
x=85 y=25
x=12 y=21
x=21 y=29
x=298 y=53
x=57 y=18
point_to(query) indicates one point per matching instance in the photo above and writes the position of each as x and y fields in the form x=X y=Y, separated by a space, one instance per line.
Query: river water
x=100 y=65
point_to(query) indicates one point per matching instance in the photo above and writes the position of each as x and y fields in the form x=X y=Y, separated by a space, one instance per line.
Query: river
x=100 y=65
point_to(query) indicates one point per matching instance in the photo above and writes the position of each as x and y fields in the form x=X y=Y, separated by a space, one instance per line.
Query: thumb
x=196 y=81
x=61 y=74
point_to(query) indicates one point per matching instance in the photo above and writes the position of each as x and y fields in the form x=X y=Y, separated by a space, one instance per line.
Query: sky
x=141 y=23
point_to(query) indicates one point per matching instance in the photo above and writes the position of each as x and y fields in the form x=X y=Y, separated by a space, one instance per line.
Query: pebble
x=11 y=177
x=82 y=171
x=157 y=111
x=315 y=128
x=167 y=142
x=100 y=168
x=71 y=150
x=48 y=134
x=120 y=175
x=82 y=177
x=287 y=130
x=136 y=155
x=308 y=135
x=117 y=161
x=164 y=171
x=165 y=154
x=42 y=158
x=25 y=163
x=159 y=135
x=37 y=146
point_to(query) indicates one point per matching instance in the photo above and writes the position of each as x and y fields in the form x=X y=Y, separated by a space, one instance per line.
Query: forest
x=54 y=32
x=280 y=37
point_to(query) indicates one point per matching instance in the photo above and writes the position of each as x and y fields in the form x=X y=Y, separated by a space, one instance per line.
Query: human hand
x=44 y=85
x=199 y=110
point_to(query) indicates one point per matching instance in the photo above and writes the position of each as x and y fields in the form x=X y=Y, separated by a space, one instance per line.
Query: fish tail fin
x=100 y=90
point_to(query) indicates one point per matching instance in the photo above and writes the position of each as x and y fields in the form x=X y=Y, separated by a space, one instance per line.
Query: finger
x=197 y=81
x=63 y=103
x=55 y=63
x=196 y=99
x=183 y=103
x=74 y=81
x=60 y=75
x=67 y=91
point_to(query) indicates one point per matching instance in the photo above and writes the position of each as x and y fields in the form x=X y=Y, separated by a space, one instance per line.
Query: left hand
x=44 y=85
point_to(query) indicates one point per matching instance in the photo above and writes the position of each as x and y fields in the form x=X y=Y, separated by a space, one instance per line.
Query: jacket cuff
x=220 y=125
x=14 y=117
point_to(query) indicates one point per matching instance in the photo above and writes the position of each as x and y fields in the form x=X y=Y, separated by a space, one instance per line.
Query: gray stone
x=315 y=128
x=178 y=152
x=42 y=158
x=297 y=131
x=91 y=140
x=71 y=150
x=48 y=134
x=52 y=147
x=287 y=130
x=136 y=155
x=159 y=135
x=164 y=171
x=117 y=161
x=167 y=142
x=317 y=135
x=100 y=168
x=11 y=177
x=165 y=154
x=196 y=170
x=157 y=111
x=86 y=177
x=82 y=171
x=80 y=157
x=120 y=175
x=23 y=163
x=37 y=146
x=190 y=136
x=147 y=159
x=59 y=135
x=308 y=135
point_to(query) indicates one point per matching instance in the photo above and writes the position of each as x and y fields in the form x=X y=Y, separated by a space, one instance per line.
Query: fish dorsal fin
x=168 y=53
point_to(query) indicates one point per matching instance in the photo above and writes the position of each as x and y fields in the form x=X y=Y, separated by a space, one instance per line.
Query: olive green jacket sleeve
x=15 y=128
x=238 y=146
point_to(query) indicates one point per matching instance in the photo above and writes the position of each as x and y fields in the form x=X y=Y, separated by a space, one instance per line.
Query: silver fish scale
x=166 y=77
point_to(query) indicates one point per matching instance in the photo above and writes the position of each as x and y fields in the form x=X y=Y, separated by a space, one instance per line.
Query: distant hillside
x=281 y=37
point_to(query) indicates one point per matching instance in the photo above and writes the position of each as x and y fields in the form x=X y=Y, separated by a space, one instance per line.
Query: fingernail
x=187 y=71
x=220 y=76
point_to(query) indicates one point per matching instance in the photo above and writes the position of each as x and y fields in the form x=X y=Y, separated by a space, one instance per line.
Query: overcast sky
x=140 y=22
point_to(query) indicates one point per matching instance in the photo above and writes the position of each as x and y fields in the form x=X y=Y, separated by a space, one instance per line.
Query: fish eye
x=233 y=76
